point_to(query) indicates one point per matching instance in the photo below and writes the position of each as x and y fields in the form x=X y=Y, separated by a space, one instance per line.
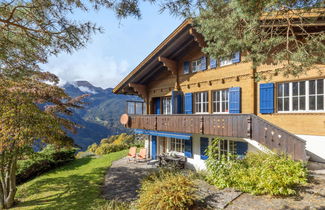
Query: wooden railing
x=231 y=125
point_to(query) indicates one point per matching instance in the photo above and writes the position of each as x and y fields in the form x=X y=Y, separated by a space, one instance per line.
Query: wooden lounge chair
x=142 y=156
x=132 y=153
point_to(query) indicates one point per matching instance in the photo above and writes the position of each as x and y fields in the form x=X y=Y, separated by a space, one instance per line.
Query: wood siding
x=232 y=125
x=239 y=75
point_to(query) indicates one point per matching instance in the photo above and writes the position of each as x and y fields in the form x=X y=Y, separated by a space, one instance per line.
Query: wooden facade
x=162 y=73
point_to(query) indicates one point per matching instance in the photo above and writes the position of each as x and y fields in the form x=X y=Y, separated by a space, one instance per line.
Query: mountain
x=100 y=116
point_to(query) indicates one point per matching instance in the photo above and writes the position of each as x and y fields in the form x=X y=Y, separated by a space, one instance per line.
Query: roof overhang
x=172 y=47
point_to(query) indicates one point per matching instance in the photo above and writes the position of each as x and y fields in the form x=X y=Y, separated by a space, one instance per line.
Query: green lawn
x=73 y=186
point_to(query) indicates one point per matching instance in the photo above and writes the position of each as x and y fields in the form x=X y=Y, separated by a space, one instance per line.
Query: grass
x=76 y=185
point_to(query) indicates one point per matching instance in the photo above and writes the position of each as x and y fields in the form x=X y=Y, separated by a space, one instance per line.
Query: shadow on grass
x=64 y=192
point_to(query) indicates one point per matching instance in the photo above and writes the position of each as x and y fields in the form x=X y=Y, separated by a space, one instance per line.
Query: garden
x=227 y=183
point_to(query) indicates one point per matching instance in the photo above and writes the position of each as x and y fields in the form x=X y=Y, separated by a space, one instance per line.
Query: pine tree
x=267 y=32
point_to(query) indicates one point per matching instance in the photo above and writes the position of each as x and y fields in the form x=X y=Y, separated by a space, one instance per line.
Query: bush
x=92 y=148
x=166 y=190
x=257 y=173
x=43 y=161
x=108 y=148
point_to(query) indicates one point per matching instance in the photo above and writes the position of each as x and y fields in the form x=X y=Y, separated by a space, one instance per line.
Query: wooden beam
x=197 y=37
x=172 y=67
x=141 y=90
x=170 y=64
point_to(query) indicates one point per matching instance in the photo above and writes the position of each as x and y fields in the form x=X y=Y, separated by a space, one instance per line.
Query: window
x=226 y=148
x=301 y=96
x=138 y=108
x=167 y=105
x=201 y=102
x=131 y=108
x=235 y=59
x=221 y=101
x=224 y=62
x=316 y=94
x=135 y=107
x=177 y=145
x=283 y=97
x=196 y=65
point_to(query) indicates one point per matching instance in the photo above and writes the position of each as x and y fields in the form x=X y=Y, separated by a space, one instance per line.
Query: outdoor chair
x=142 y=156
x=132 y=154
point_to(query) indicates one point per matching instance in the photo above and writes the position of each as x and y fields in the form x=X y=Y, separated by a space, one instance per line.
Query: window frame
x=306 y=96
x=220 y=101
x=197 y=63
x=174 y=143
x=165 y=106
x=231 y=148
x=200 y=103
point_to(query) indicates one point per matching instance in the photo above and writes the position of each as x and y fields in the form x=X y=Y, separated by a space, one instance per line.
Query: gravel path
x=122 y=180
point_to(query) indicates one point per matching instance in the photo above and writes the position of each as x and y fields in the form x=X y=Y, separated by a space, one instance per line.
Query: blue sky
x=110 y=56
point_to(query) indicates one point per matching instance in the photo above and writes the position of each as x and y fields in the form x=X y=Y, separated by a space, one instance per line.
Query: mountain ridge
x=100 y=115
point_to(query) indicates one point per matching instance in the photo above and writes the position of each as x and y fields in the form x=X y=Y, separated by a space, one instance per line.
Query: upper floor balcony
x=244 y=126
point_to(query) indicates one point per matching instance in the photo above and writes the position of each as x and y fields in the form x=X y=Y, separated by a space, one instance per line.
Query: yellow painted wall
x=298 y=123
x=238 y=75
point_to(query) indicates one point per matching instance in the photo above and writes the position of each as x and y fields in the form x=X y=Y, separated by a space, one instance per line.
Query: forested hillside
x=100 y=117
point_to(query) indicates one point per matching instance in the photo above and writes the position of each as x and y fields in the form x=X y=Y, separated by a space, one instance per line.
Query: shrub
x=108 y=148
x=166 y=190
x=257 y=173
x=92 y=148
x=43 y=161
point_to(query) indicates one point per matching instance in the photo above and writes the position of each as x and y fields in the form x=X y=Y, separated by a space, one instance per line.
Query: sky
x=110 y=56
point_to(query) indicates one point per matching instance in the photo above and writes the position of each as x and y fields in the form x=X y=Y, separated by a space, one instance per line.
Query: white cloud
x=100 y=70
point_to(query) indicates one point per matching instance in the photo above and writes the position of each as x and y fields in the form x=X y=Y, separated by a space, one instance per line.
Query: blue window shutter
x=213 y=63
x=177 y=102
x=267 y=98
x=241 y=148
x=188 y=148
x=188 y=109
x=236 y=57
x=203 y=63
x=204 y=143
x=157 y=106
x=186 y=67
x=234 y=100
x=154 y=147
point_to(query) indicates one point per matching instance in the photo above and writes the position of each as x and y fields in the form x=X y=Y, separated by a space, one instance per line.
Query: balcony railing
x=231 y=125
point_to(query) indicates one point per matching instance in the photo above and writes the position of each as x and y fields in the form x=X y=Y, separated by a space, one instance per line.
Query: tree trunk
x=8 y=186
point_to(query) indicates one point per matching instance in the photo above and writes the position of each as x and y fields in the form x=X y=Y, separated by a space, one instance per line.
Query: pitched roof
x=181 y=33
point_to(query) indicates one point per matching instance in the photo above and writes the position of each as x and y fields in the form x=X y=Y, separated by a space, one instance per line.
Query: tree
x=32 y=105
x=269 y=32
x=24 y=121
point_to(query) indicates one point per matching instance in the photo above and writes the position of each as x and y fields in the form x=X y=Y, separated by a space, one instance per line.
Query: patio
x=122 y=179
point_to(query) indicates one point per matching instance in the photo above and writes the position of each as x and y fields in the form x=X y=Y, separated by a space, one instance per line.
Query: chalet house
x=191 y=98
